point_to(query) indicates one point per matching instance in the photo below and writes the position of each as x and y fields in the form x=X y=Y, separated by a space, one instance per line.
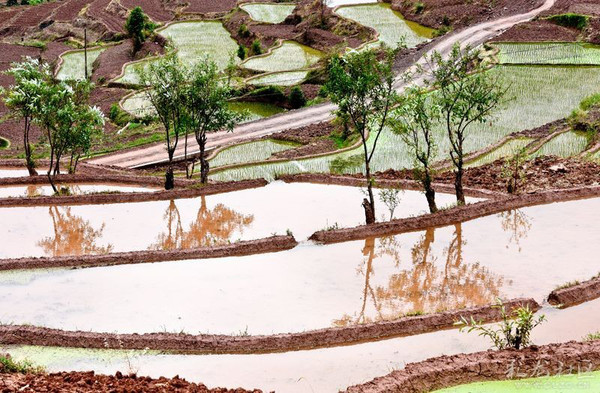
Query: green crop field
x=72 y=66
x=289 y=56
x=568 y=53
x=268 y=13
x=248 y=152
x=565 y=145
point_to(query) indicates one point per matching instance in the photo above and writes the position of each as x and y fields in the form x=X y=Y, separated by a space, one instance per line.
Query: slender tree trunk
x=458 y=183
x=28 y=159
x=429 y=192
x=369 y=205
x=49 y=173
x=204 y=165
x=188 y=173
x=169 y=176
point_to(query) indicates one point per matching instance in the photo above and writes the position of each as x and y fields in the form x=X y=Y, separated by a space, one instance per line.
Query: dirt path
x=155 y=154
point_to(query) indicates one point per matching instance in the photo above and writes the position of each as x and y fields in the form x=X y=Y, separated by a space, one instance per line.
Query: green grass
x=268 y=13
x=535 y=103
x=573 y=383
x=248 y=152
x=508 y=149
x=73 y=63
x=193 y=40
x=565 y=145
x=9 y=365
x=549 y=53
x=592 y=337
x=388 y=23
x=4 y=143
x=289 y=56
x=289 y=78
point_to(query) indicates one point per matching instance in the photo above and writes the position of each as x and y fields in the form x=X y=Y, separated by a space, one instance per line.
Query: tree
x=24 y=96
x=513 y=171
x=241 y=52
x=363 y=86
x=135 y=26
x=166 y=82
x=68 y=121
x=465 y=95
x=297 y=98
x=10 y=3
x=415 y=120
x=207 y=106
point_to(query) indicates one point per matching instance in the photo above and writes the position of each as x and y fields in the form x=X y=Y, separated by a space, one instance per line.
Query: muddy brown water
x=188 y=223
x=13 y=172
x=75 y=189
x=323 y=370
x=524 y=253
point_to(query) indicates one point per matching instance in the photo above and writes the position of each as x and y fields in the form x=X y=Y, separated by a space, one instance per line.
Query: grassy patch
x=576 y=21
x=4 y=143
x=8 y=365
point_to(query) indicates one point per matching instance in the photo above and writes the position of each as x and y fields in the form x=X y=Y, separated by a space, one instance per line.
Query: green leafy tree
x=256 y=47
x=415 y=120
x=513 y=171
x=241 y=52
x=297 y=98
x=68 y=121
x=136 y=27
x=11 y=3
x=466 y=95
x=363 y=86
x=23 y=98
x=166 y=80
x=207 y=107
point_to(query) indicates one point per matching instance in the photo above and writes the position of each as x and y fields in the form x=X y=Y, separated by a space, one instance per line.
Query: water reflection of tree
x=72 y=235
x=211 y=227
x=517 y=224
x=425 y=286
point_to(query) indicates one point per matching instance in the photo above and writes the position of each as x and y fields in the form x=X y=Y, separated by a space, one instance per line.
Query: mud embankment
x=448 y=371
x=454 y=215
x=576 y=294
x=80 y=382
x=130 y=197
x=209 y=343
x=359 y=181
x=250 y=247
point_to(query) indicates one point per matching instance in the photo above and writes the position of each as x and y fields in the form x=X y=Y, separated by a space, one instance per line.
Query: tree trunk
x=28 y=160
x=458 y=184
x=204 y=165
x=369 y=211
x=429 y=193
x=169 y=178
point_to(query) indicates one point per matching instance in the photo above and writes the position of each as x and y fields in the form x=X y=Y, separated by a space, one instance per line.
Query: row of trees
x=60 y=109
x=188 y=100
x=457 y=94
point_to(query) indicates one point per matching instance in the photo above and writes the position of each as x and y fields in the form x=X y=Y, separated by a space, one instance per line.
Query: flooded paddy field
x=72 y=64
x=313 y=286
x=325 y=370
x=268 y=13
x=13 y=172
x=74 y=189
x=188 y=223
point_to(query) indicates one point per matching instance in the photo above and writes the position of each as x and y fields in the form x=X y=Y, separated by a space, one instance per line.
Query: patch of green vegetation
x=4 y=143
x=590 y=102
x=289 y=56
x=9 y=365
x=118 y=115
x=268 y=13
x=73 y=64
x=564 y=53
x=567 y=144
x=286 y=78
x=506 y=150
x=249 y=152
x=576 y=21
x=592 y=337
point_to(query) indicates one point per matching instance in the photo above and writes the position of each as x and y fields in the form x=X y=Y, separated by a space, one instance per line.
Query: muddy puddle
x=189 y=223
x=74 y=189
x=523 y=253
x=323 y=370
x=13 y=172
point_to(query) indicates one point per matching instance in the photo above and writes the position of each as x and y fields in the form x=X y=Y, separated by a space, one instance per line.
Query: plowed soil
x=210 y=6
x=79 y=382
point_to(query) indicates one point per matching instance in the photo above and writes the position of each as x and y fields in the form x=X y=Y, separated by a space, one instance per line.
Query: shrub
x=241 y=51
x=256 y=47
x=419 y=7
x=297 y=98
x=271 y=93
x=24 y=2
x=243 y=31
x=4 y=143
x=590 y=102
x=8 y=365
x=576 y=21
x=514 y=330
x=10 y=3
x=118 y=115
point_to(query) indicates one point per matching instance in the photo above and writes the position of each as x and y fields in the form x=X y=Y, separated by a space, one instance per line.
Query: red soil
x=446 y=371
x=539 y=30
x=576 y=294
x=104 y=97
x=80 y=382
x=157 y=10
x=210 y=6
x=461 y=13
x=110 y=62
x=69 y=10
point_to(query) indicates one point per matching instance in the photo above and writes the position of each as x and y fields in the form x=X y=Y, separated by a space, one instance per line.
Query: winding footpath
x=156 y=153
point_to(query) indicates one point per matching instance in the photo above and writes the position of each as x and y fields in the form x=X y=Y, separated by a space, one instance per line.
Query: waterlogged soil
x=325 y=370
x=312 y=287
x=76 y=189
x=78 y=382
x=187 y=223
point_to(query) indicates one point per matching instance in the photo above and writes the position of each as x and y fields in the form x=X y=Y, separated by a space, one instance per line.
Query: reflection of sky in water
x=78 y=189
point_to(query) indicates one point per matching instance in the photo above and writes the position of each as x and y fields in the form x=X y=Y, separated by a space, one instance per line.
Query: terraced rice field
x=193 y=40
x=249 y=152
x=507 y=149
x=77 y=189
x=534 y=103
x=289 y=78
x=549 y=53
x=73 y=64
x=388 y=23
x=269 y=13
x=567 y=144
x=289 y=56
